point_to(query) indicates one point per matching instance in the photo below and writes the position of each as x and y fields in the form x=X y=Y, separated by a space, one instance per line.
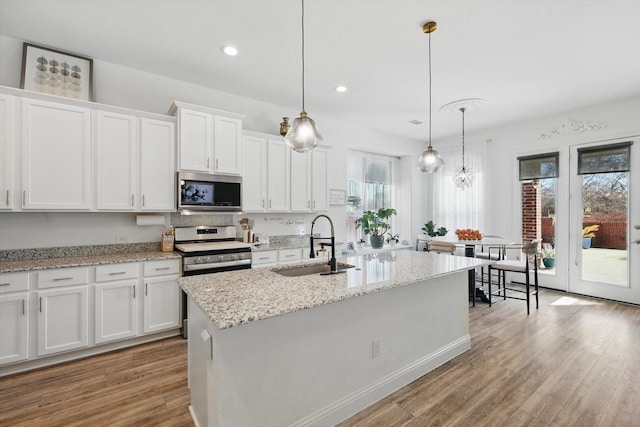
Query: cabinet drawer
x=161 y=268
x=62 y=277
x=264 y=257
x=12 y=282
x=289 y=255
x=107 y=273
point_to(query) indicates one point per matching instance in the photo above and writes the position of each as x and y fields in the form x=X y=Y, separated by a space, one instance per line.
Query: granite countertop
x=84 y=260
x=237 y=297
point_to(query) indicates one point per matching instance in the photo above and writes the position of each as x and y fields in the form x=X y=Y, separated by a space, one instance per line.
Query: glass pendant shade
x=430 y=161
x=463 y=177
x=303 y=135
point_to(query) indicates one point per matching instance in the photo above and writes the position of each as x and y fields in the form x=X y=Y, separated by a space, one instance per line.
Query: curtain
x=453 y=207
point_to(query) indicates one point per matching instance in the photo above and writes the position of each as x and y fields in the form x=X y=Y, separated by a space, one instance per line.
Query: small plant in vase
x=393 y=239
x=548 y=256
x=376 y=224
x=430 y=230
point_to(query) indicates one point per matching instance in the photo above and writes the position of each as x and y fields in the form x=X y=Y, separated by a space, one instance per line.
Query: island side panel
x=316 y=366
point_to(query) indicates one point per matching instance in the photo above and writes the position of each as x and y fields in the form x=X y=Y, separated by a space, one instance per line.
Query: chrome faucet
x=333 y=263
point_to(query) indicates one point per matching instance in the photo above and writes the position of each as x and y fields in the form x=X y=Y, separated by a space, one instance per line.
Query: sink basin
x=311 y=269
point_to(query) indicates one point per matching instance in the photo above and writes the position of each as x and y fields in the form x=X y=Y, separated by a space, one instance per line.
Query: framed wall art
x=56 y=72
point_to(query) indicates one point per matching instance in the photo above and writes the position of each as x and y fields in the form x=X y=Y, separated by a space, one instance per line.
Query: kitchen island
x=271 y=350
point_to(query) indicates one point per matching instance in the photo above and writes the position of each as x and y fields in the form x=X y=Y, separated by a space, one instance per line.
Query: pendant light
x=430 y=160
x=462 y=176
x=303 y=135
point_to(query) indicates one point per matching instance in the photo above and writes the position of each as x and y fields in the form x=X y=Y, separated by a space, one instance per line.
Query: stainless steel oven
x=206 y=250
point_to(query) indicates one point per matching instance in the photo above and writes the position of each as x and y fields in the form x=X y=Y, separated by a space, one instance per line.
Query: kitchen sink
x=311 y=269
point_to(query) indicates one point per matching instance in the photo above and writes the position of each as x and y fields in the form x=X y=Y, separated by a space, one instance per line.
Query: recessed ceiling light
x=230 y=50
x=341 y=88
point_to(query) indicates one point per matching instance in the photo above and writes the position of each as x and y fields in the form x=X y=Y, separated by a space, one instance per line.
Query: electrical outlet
x=375 y=349
x=121 y=240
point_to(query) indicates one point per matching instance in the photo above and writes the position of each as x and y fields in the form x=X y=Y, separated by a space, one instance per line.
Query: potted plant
x=548 y=256
x=376 y=224
x=393 y=239
x=588 y=233
x=430 y=230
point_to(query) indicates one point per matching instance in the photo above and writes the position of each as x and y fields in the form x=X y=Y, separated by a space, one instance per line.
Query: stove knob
x=206 y=259
x=198 y=260
x=220 y=258
x=234 y=257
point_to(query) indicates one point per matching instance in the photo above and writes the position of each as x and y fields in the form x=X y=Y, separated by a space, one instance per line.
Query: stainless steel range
x=207 y=250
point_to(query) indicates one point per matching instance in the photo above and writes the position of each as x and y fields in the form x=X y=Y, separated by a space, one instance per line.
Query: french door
x=604 y=223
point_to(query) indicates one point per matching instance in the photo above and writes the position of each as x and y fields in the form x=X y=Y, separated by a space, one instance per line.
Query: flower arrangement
x=590 y=230
x=468 y=234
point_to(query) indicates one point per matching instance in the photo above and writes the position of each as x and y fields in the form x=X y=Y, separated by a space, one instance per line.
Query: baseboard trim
x=355 y=402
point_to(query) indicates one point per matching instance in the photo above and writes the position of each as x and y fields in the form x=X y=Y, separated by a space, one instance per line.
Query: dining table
x=470 y=251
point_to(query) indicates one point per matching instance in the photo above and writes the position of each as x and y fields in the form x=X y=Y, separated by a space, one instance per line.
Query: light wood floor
x=573 y=362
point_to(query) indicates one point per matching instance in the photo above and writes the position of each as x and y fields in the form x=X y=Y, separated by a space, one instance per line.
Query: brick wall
x=612 y=233
x=531 y=212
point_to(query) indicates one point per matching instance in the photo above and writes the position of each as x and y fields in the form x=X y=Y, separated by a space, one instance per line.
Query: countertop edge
x=83 y=261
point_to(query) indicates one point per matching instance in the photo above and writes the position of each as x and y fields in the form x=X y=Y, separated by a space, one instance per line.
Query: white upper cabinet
x=301 y=182
x=309 y=181
x=157 y=166
x=254 y=177
x=265 y=181
x=209 y=140
x=319 y=176
x=278 y=175
x=116 y=161
x=195 y=136
x=7 y=144
x=56 y=156
x=227 y=145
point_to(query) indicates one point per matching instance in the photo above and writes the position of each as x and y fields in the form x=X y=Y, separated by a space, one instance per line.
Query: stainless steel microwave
x=201 y=192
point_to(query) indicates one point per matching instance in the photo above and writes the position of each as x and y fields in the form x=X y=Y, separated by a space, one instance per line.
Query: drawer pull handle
x=116 y=273
x=23 y=307
x=59 y=279
x=5 y=284
x=8 y=198
x=134 y=291
x=289 y=256
x=264 y=257
x=162 y=268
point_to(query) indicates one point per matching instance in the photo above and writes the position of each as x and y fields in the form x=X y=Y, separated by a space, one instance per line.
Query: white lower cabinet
x=116 y=310
x=262 y=259
x=161 y=296
x=161 y=304
x=83 y=308
x=63 y=319
x=14 y=327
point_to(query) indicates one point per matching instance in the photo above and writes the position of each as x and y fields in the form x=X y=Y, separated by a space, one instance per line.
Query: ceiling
x=526 y=58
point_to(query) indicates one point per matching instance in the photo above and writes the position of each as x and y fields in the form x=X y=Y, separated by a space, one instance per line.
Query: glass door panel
x=602 y=234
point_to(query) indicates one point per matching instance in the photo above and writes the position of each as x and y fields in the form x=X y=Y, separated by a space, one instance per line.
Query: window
x=538 y=175
x=371 y=180
x=455 y=208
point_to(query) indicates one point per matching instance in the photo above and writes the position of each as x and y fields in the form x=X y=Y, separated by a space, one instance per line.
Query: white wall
x=130 y=88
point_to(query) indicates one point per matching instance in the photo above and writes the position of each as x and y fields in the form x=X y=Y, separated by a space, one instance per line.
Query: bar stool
x=442 y=247
x=515 y=266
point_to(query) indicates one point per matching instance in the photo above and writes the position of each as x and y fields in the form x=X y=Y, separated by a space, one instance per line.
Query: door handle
x=637 y=242
x=637 y=227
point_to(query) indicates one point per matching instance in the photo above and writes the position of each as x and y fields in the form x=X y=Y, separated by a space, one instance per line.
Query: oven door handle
x=212 y=265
